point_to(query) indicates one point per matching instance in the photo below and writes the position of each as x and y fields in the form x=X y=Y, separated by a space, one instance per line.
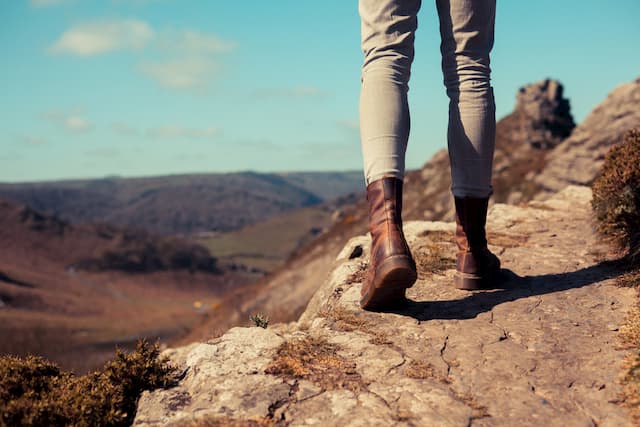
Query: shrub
x=616 y=196
x=318 y=361
x=259 y=320
x=34 y=392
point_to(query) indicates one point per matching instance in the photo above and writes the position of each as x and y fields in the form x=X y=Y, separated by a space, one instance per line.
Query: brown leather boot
x=391 y=266
x=476 y=266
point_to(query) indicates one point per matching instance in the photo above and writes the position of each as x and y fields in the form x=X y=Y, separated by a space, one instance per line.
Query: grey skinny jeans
x=388 y=32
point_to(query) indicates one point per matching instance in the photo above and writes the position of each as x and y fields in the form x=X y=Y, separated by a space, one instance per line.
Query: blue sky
x=147 y=87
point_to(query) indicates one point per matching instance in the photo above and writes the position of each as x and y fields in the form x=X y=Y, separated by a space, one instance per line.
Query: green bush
x=616 y=196
x=34 y=392
x=260 y=320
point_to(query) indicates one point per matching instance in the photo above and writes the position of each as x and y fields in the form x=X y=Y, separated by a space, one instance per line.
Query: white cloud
x=175 y=132
x=186 y=59
x=190 y=63
x=104 y=36
x=190 y=73
x=77 y=124
x=71 y=122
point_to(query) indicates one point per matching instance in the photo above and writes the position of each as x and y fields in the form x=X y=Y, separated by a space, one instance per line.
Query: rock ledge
x=541 y=351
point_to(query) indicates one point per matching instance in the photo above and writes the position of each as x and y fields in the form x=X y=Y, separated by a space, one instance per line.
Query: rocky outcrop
x=539 y=122
x=539 y=351
x=544 y=116
x=579 y=158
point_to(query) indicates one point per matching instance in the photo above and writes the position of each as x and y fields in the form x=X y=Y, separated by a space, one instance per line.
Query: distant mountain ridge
x=182 y=204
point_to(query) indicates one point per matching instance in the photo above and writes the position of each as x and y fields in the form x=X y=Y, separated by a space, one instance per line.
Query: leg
x=388 y=28
x=466 y=28
x=388 y=32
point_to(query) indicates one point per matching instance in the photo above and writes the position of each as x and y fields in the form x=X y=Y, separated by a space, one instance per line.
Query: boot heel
x=469 y=282
x=395 y=272
x=392 y=278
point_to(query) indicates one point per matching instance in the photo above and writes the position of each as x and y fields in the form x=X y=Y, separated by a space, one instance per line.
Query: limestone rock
x=578 y=159
x=539 y=351
x=224 y=377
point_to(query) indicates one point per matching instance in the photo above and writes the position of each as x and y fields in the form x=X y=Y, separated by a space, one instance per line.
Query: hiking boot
x=476 y=267
x=391 y=267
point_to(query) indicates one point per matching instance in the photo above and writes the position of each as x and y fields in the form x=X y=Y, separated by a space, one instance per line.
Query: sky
x=95 y=88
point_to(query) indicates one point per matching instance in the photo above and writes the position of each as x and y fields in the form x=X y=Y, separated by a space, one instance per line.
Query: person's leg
x=467 y=29
x=388 y=31
x=388 y=28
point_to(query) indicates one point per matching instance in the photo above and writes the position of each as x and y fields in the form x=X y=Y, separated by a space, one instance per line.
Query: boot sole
x=390 y=281
x=473 y=282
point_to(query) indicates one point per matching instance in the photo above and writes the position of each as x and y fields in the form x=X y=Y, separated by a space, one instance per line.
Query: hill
x=267 y=245
x=71 y=293
x=182 y=204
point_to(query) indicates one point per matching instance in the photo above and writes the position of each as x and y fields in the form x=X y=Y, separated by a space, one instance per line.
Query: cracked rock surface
x=540 y=351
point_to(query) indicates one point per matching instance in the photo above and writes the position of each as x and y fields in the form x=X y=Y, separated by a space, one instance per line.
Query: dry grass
x=629 y=279
x=433 y=258
x=506 y=240
x=478 y=410
x=344 y=320
x=616 y=207
x=380 y=338
x=630 y=338
x=316 y=360
x=34 y=392
x=631 y=384
x=615 y=202
x=420 y=370
x=630 y=330
x=359 y=275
